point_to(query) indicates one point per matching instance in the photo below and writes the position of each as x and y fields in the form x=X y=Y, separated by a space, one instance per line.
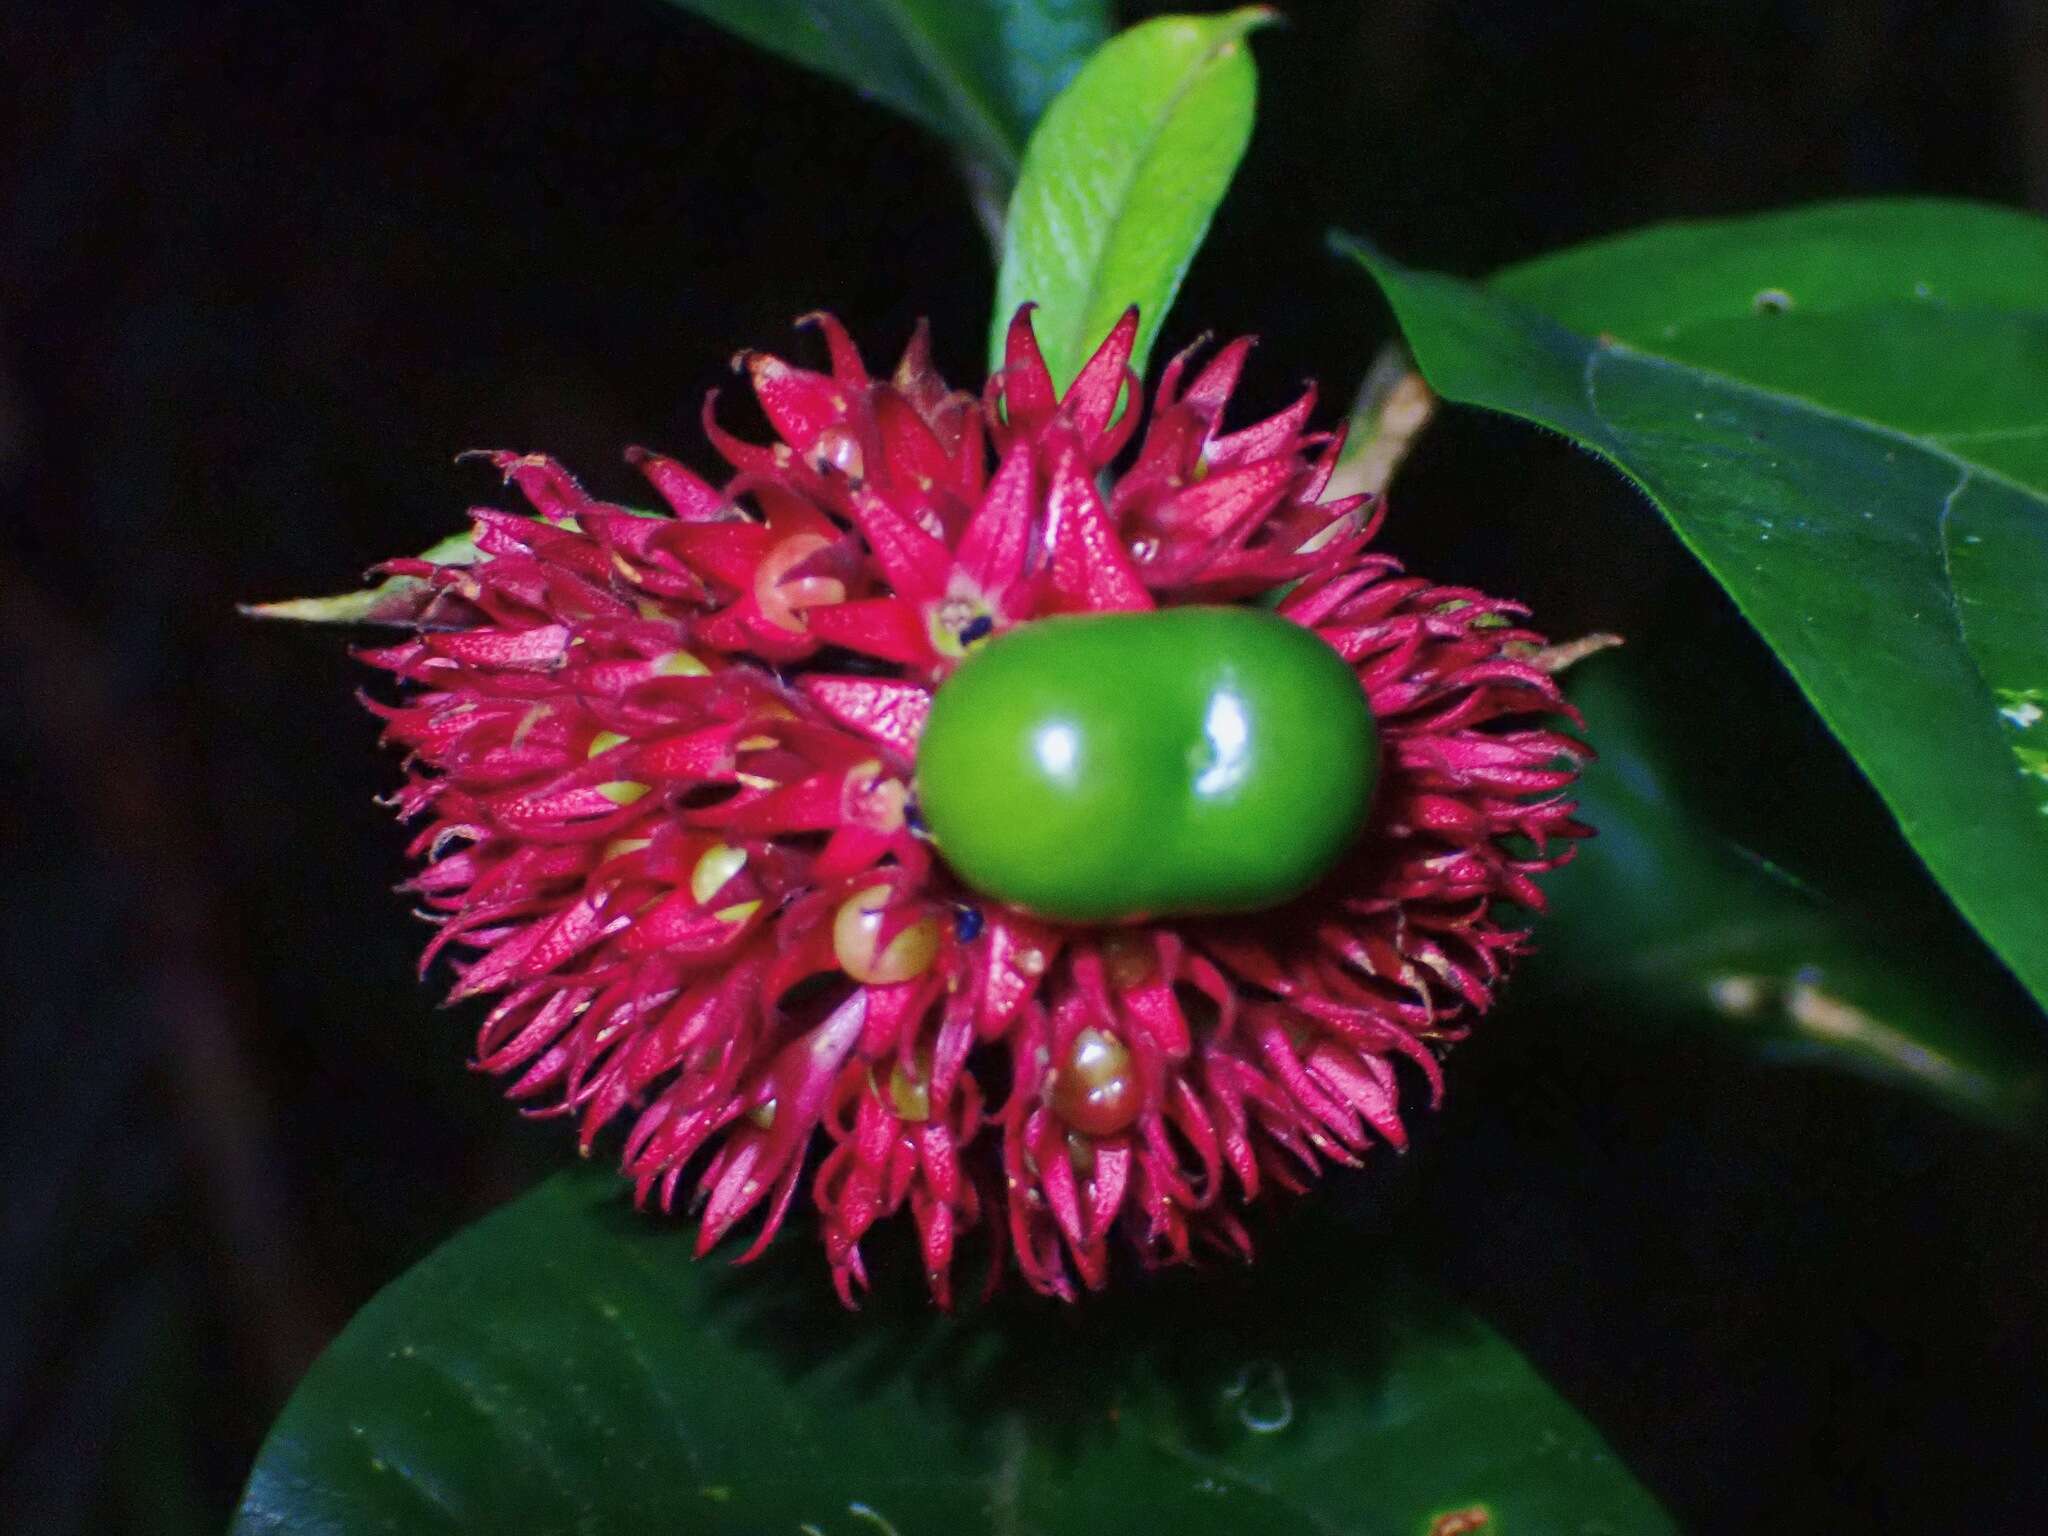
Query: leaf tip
x=1248 y=19
x=302 y=610
x=1342 y=242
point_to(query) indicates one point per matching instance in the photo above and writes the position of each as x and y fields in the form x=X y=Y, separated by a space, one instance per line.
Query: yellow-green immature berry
x=910 y=1091
x=715 y=867
x=680 y=664
x=1095 y=1088
x=783 y=597
x=618 y=791
x=856 y=940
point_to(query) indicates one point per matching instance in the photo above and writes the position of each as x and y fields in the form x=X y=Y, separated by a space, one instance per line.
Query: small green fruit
x=1102 y=768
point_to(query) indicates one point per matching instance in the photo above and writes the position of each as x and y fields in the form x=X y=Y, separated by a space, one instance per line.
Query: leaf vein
x=953 y=85
x=1316 y=1521
x=415 y=1483
x=1139 y=165
x=1948 y=580
x=1991 y=434
x=1931 y=446
x=499 y=1421
x=630 y=1345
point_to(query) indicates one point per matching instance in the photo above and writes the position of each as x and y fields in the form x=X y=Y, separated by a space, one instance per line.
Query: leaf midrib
x=1966 y=902
x=1967 y=472
x=1138 y=165
x=1927 y=445
x=955 y=86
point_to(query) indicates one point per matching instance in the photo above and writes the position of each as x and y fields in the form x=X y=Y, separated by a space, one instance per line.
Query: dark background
x=264 y=268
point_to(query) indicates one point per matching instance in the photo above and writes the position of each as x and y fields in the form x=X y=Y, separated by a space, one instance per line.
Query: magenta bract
x=663 y=766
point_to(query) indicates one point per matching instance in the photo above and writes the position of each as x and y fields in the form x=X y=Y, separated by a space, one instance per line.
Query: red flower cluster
x=665 y=765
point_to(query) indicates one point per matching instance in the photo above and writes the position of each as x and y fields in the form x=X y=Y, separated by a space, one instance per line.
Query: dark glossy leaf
x=565 y=1366
x=1121 y=180
x=1673 y=923
x=978 y=72
x=1843 y=412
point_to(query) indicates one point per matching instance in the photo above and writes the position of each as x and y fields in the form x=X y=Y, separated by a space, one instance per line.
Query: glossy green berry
x=1102 y=768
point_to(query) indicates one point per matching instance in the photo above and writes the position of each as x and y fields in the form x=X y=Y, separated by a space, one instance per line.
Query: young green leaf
x=1121 y=180
x=1843 y=411
x=1674 y=923
x=978 y=72
x=565 y=1366
x=395 y=600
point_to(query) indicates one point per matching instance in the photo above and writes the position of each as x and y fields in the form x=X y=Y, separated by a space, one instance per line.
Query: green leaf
x=978 y=72
x=1121 y=180
x=1672 y=922
x=395 y=600
x=565 y=1366
x=1843 y=412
